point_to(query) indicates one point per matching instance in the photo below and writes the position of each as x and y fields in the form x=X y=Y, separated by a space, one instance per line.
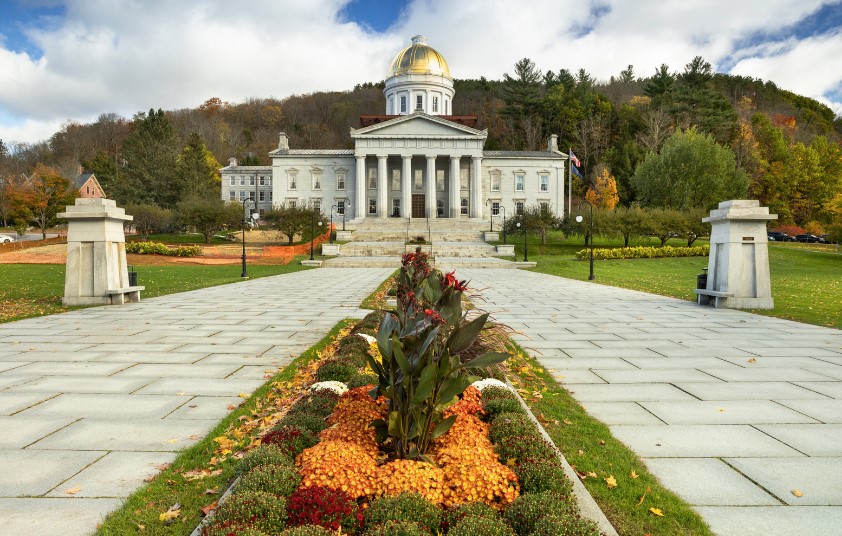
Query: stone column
x=476 y=187
x=382 y=187
x=431 y=186
x=454 y=187
x=361 y=186
x=406 y=187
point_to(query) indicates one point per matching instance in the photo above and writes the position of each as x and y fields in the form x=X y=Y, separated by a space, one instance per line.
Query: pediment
x=418 y=126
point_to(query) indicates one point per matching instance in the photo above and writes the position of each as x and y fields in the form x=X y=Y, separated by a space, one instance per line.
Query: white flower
x=368 y=338
x=490 y=382
x=337 y=387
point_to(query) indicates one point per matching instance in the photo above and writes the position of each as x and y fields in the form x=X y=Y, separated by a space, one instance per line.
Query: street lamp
x=579 y=218
x=490 y=216
x=524 y=241
x=248 y=204
x=504 y=225
x=331 y=223
x=312 y=233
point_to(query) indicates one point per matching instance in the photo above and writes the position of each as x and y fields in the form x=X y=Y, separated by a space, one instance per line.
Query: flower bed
x=157 y=248
x=643 y=252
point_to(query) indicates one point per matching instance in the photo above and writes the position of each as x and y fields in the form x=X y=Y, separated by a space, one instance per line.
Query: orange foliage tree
x=39 y=199
x=603 y=192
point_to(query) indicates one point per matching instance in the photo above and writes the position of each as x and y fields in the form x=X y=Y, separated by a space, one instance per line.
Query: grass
x=179 y=238
x=377 y=299
x=596 y=455
x=37 y=289
x=806 y=282
x=140 y=513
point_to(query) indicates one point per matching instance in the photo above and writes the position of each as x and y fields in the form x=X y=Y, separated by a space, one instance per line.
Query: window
x=270 y=196
x=445 y=106
x=291 y=203
x=232 y=195
x=251 y=195
x=292 y=179
x=519 y=180
x=440 y=180
x=372 y=178
x=545 y=207
x=242 y=181
x=251 y=181
x=495 y=181
x=242 y=195
x=317 y=204
x=464 y=206
x=262 y=180
x=545 y=183
x=340 y=180
x=495 y=208
x=464 y=178
x=317 y=180
x=396 y=208
x=518 y=207
x=435 y=104
x=391 y=105
x=419 y=102
x=403 y=104
x=233 y=181
x=396 y=180
x=418 y=183
x=372 y=206
x=262 y=196
x=440 y=208
x=340 y=207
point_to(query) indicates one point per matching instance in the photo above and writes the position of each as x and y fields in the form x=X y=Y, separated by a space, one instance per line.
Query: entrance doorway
x=418 y=206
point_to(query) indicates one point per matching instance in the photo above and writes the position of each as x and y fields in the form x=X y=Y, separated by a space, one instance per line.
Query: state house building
x=416 y=161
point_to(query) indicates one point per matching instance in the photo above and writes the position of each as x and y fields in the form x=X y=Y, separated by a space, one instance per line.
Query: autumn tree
x=603 y=192
x=42 y=197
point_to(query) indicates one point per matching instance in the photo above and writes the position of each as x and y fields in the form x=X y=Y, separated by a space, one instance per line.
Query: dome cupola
x=419 y=81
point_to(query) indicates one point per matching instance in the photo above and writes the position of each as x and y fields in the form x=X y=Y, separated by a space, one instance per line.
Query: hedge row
x=643 y=252
x=157 y=248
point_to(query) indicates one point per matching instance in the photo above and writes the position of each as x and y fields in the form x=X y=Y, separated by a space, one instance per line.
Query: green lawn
x=179 y=238
x=37 y=289
x=806 y=281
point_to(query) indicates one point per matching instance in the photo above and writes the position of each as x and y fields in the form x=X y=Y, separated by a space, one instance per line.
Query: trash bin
x=702 y=279
x=132 y=277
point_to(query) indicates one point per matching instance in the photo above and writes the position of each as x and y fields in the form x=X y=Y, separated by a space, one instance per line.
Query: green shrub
x=525 y=447
x=336 y=371
x=275 y=479
x=263 y=511
x=452 y=516
x=495 y=407
x=308 y=421
x=397 y=528
x=511 y=424
x=643 y=252
x=292 y=440
x=320 y=403
x=565 y=525
x=536 y=476
x=404 y=507
x=497 y=393
x=157 y=248
x=360 y=379
x=481 y=526
x=307 y=530
x=369 y=324
x=263 y=455
x=526 y=510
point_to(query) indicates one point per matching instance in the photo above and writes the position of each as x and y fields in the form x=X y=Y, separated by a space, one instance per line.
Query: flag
x=575 y=160
x=575 y=164
x=576 y=171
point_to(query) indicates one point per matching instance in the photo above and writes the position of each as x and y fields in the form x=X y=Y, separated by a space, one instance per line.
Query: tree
x=104 y=167
x=197 y=171
x=661 y=223
x=522 y=95
x=150 y=155
x=691 y=171
x=603 y=192
x=209 y=216
x=628 y=222
x=690 y=225
x=148 y=219
x=296 y=221
x=661 y=84
x=697 y=102
x=534 y=219
x=45 y=195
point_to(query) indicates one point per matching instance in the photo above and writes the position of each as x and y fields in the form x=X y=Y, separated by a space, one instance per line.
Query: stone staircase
x=381 y=242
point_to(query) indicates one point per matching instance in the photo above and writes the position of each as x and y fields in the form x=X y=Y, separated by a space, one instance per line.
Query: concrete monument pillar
x=96 y=271
x=738 y=265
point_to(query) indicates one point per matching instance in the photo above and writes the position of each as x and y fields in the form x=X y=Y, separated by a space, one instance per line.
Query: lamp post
x=247 y=205
x=591 y=277
x=331 y=223
x=504 y=225
x=343 y=217
x=312 y=233
x=490 y=216
x=524 y=241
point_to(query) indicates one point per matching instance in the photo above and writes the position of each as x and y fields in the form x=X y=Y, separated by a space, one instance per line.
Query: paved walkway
x=92 y=400
x=731 y=410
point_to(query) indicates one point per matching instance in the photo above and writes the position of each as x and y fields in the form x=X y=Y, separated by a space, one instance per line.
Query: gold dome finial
x=419 y=58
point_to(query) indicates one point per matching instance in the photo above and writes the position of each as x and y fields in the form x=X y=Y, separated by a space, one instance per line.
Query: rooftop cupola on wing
x=419 y=81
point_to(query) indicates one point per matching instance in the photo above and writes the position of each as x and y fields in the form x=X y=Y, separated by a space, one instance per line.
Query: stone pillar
x=476 y=187
x=454 y=187
x=361 y=188
x=738 y=264
x=431 y=186
x=382 y=187
x=406 y=187
x=95 y=270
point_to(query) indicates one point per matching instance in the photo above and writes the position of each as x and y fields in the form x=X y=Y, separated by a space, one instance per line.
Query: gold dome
x=418 y=58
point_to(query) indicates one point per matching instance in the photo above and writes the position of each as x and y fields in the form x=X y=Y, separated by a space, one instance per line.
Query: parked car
x=5 y=239
x=825 y=239
x=778 y=236
x=813 y=239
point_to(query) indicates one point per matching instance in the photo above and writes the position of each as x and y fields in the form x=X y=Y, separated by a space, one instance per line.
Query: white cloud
x=127 y=56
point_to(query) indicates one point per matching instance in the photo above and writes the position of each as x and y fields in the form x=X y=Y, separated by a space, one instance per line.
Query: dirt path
x=214 y=255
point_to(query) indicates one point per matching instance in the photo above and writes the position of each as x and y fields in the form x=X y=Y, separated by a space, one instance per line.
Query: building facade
x=416 y=161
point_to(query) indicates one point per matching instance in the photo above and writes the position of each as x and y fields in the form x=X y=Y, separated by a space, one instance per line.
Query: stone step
x=442 y=263
x=370 y=235
x=448 y=249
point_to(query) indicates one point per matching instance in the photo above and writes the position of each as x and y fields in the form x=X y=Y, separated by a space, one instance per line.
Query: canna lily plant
x=421 y=373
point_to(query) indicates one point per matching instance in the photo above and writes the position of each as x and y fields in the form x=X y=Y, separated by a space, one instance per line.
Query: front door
x=418 y=206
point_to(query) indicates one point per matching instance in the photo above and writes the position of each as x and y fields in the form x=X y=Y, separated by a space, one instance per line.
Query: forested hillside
x=648 y=136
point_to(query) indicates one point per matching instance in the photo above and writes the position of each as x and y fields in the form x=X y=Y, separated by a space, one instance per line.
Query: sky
x=72 y=60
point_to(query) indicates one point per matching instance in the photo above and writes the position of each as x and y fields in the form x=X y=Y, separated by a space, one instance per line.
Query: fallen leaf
x=195 y=437
x=642 y=497
x=74 y=491
x=211 y=491
x=720 y=410
x=243 y=395
x=210 y=508
x=231 y=407
x=592 y=474
x=798 y=493
x=173 y=512
x=511 y=462
x=172 y=440
x=752 y=360
x=602 y=442
x=581 y=452
x=611 y=481
x=181 y=393
x=657 y=511
x=567 y=422
x=163 y=466
x=633 y=474
x=140 y=527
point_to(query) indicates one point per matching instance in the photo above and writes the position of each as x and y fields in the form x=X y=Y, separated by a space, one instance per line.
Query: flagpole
x=569 y=181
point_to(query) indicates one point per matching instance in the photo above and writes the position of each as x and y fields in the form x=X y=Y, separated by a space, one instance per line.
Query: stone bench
x=125 y=295
x=704 y=296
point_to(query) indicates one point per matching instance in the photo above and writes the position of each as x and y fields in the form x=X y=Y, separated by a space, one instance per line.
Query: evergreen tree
x=521 y=94
x=661 y=84
x=104 y=167
x=697 y=103
x=197 y=171
x=149 y=155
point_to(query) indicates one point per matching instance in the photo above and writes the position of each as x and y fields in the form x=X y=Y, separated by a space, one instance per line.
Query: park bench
x=704 y=296
x=125 y=295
